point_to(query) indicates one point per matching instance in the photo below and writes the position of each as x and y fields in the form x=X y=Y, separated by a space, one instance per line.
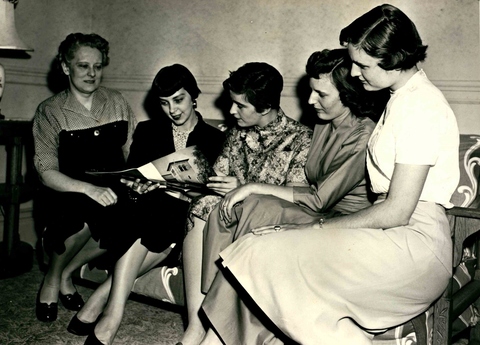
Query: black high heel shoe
x=71 y=301
x=81 y=328
x=45 y=312
x=92 y=340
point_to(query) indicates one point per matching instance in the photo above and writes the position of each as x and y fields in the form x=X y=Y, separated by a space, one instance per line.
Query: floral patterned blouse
x=274 y=154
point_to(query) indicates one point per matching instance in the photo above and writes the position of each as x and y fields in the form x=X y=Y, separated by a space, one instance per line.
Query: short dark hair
x=172 y=78
x=353 y=95
x=260 y=82
x=69 y=46
x=386 y=33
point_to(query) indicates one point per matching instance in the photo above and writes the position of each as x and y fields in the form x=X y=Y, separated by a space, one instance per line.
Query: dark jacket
x=154 y=139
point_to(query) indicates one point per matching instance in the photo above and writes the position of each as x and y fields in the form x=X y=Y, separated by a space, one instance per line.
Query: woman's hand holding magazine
x=182 y=171
x=139 y=186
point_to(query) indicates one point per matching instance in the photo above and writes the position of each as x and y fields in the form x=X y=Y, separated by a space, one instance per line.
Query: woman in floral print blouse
x=265 y=147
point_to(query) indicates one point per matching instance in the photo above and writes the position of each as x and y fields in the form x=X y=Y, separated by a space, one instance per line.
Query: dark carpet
x=145 y=322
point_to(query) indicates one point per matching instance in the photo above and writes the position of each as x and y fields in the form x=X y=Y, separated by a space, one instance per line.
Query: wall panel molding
x=460 y=91
x=22 y=76
x=456 y=91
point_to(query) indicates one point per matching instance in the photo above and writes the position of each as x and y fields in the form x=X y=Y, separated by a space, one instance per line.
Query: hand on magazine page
x=182 y=170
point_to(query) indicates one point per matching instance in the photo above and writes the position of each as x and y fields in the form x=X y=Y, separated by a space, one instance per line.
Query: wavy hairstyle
x=386 y=33
x=337 y=64
x=260 y=82
x=68 y=48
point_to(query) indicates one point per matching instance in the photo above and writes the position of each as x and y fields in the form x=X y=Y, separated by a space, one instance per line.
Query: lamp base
x=18 y=262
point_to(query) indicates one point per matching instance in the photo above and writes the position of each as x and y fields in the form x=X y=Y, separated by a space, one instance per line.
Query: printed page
x=181 y=170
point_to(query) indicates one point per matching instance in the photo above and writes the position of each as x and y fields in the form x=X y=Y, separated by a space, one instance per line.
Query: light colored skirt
x=255 y=211
x=324 y=286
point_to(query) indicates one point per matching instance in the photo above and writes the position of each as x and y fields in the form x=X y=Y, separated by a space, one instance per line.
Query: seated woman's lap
x=157 y=219
x=65 y=214
x=262 y=210
x=253 y=212
x=375 y=271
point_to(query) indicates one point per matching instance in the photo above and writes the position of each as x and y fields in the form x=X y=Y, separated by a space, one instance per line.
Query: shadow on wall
x=57 y=81
x=308 y=114
x=224 y=103
x=14 y=54
x=152 y=106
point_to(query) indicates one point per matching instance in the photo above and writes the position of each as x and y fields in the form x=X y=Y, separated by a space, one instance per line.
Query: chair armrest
x=464 y=212
x=464 y=297
x=464 y=221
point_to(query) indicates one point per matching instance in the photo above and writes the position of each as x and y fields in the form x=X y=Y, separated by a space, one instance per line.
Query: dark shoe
x=45 y=312
x=92 y=340
x=81 y=328
x=71 y=301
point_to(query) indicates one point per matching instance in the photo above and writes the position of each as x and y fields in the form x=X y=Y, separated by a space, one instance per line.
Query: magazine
x=183 y=170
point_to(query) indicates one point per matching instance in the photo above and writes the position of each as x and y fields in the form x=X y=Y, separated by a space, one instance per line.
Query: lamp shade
x=9 y=38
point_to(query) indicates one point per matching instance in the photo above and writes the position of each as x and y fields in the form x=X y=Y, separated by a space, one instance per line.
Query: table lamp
x=16 y=257
x=9 y=39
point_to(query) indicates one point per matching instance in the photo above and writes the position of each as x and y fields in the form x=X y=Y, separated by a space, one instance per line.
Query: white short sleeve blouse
x=417 y=127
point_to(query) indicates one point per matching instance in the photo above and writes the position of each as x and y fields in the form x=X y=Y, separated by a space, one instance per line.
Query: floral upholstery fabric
x=467 y=189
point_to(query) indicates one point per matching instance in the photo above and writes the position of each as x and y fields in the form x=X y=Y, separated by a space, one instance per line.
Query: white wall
x=212 y=37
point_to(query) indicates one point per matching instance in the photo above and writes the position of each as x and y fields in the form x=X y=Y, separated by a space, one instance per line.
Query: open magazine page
x=183 y=170
x=188 y=165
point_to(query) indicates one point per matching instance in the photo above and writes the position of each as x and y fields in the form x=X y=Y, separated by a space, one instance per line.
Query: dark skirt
x=156 y=218
x=63 y=214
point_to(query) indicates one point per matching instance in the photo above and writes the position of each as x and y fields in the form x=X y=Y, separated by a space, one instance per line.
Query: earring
x=194 y=104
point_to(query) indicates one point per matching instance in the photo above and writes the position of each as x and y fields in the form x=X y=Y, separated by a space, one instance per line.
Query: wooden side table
x=16 y=257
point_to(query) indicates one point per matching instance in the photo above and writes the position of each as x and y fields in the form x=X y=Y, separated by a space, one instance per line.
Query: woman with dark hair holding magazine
x=338 y=280
x=153 y=221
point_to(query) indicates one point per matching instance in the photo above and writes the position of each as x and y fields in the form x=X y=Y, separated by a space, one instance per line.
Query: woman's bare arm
x=405 y=190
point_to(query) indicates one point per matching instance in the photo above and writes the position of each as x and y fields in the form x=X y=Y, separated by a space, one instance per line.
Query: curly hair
x=68 y=48
x=337 y=64
x=260 y=82
x=386 y=33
